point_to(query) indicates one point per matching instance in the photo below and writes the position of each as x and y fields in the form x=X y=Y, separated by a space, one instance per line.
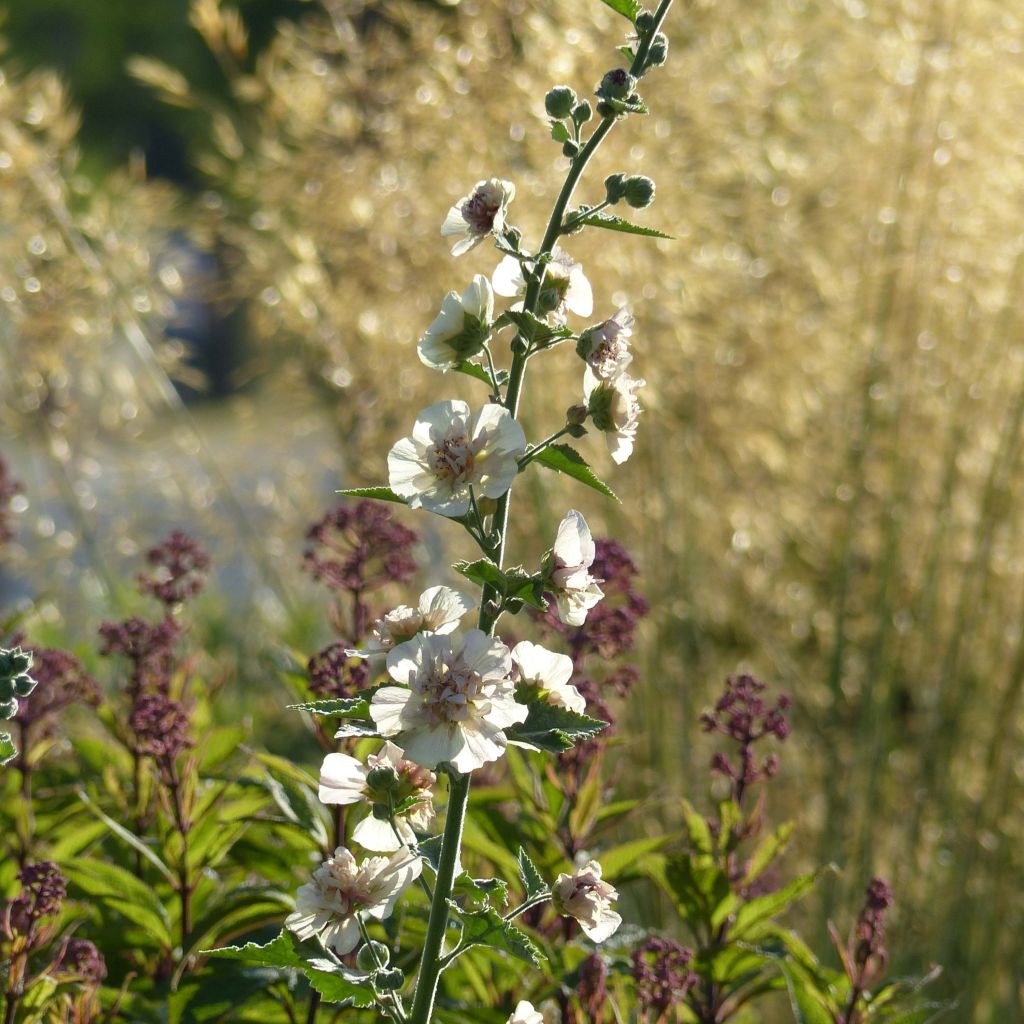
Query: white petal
x=407 y=661
x=541 y=666
x=455 y=223
x=436 y=353
x=434 y=422
x=429 y=746
x=486 y=655
x=478 y=299
x=479 y=747
x=574 y=545
x=504 y=711
x=443 y=608
x=376 y=835
x=579 y=297
x=507 y=279
x=605 y=924
x=342 y=936
x=408 y=474
x=342 y=780
x=387 y=709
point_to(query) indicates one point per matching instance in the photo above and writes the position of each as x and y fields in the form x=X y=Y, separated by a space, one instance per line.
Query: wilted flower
x=575 y=590
x=461 y=328
x=451 y=450
x=605 y=348
x=340 y=889
x=345 y=780
x=440 y=609
x=458 y=702
x=614 y=409
x=479 y=214
x=525 y=1014
x=584 y=896
x=179 y=569
x=565 y=285
x=550 y=673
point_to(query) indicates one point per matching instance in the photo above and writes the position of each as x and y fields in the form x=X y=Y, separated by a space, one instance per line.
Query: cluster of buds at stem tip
x=562 y=104
x=15 y=680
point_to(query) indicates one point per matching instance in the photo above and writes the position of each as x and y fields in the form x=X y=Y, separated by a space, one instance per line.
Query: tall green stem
x=458 y=794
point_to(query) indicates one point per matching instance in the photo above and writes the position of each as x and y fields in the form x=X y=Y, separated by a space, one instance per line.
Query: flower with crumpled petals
x=439 y=610
x=479 y=214
x=549 y=673
x=344 y=780
x=461 y=328
x=565 y=285
x=605 y=348
x=340 y=889
x=455 y=702
x=585 y=896
x=452 y=450
x=575 y=590
x=525 y=1014
x=614 y=409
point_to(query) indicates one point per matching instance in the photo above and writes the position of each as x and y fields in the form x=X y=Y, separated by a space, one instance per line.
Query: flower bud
x=639 y=191
x=582 y=112
x=513 y=236
x=549 y=299
x=389 y=981
x=605 y=109
x=614 y=188
x=658 y=52
x=560 y=101
x=8 y=708
x=570 y=149
x=24 y=685
x=382 y=778
x=617 y=84
x=381 y=812
x=373 y=956
x=644 y=22
x=576 y=414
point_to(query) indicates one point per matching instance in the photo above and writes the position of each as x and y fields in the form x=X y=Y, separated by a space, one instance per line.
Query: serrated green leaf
x=533 y=882
x=552 y=728
x=514 y=583
x=627 y=8
x=7 y=748
x=348 y=707
x=488 y=928
x=559 y=132
x=613 y=223
x=482 y=890
x=377 y=493
x=473 y=370
x=482 y=571
x=534 y=330
x=563 y=458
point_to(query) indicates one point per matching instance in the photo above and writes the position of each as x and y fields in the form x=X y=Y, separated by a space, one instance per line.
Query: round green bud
x=617 y=84
x=570 y=149
x=373 y=956
x=582 y=112
x=381 y=812
x=560 y=101
x=24 y=685
x=8 y=708
x=549 y=299
x=382 y=778
x=605 y=109
x=576 y=414
x=639 y=191
x=644 y=22
x=389 y=981
x=614 y=188
x=658 y=52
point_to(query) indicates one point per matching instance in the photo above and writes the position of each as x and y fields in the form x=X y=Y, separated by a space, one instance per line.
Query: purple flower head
x=359 y=548
x=592 y=989
x=148 y=646
x=661 y=971
x=61 y=680
x=43 y=889
x=179 y=569
x=869 y=953
x=160 y=726
x=82 y=959
x=744 y=716
x=333 y=673
x=9 y=487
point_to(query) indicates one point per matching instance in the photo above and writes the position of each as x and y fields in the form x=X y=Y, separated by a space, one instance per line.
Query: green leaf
x=482 y=890
x=763 y=908
x=488 y=928
x=767 y=850
x=554 y=729
x=627 y=8
x=925 y=1014
x=613 y=223
x=514 y=584
x=698 y=889
x=482 y=571
x=533 y=881
x=378 y=493
x=472 y=370
x=347 y=707
x=559 y=132
x=563 y=458
x=621 y=860
x=7 y=748
x=807 y=1003
x=531 y=328
x=697 y=829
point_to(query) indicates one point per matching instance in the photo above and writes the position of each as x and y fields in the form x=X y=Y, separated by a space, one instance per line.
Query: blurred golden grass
x=828 y=474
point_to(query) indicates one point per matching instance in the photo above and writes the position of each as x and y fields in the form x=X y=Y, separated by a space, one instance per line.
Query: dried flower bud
x=560 y=101
x=639 y=191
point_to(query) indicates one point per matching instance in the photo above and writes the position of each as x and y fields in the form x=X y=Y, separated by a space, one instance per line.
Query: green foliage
x=563 y=458
x=627 y=8
x=515 y=586
x=552 y=728
x=612 y=223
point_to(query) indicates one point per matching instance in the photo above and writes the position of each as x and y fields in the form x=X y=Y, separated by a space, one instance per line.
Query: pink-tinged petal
x=341 y=936
x=387 y=709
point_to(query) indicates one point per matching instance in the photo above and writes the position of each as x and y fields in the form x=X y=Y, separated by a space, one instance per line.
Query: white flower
x=575 y=590
x=584 y=896
x=340 y=889
x=565 y=285
x=550 y=673
x=451 y=450
x=525 y=1014
x=440 y=609
x=457 y=703
x=615 y=409
x=606 y=346
x=479 y=214
x=461 y=328
x=345 y=780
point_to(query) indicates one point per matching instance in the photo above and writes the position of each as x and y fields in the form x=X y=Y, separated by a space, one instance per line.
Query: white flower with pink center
x=479 y=214
x=439 y=610
x=614 y=409
x=605 y=348
x=575 y=590
x=525 y=1014
x=328 y=905
x=452 y=450
x=534 y=665
x=585 y=896
x=565 y=285
x=455 y=701
x=345 y=780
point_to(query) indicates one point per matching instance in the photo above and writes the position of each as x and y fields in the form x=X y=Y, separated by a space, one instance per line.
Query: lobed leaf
x=563 y=458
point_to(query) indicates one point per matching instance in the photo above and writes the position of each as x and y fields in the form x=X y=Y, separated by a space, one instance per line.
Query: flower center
x=452 y=459
x=448 y=693
x=479 y=210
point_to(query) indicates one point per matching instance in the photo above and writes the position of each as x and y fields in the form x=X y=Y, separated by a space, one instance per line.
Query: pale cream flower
x=439 y=610
x=565 y=281
x=550 y=673
x=586 y=897
x=340 y=889
x=614 y=409
x=450 y=450
x=525 y=1014
x=345 y=780
x=605 y=348
x=575 y=590
x=479 y=214
x=458 y=701
x=461 y=328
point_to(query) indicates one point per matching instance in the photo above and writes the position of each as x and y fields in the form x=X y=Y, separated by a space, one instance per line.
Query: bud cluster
x=15 y=680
